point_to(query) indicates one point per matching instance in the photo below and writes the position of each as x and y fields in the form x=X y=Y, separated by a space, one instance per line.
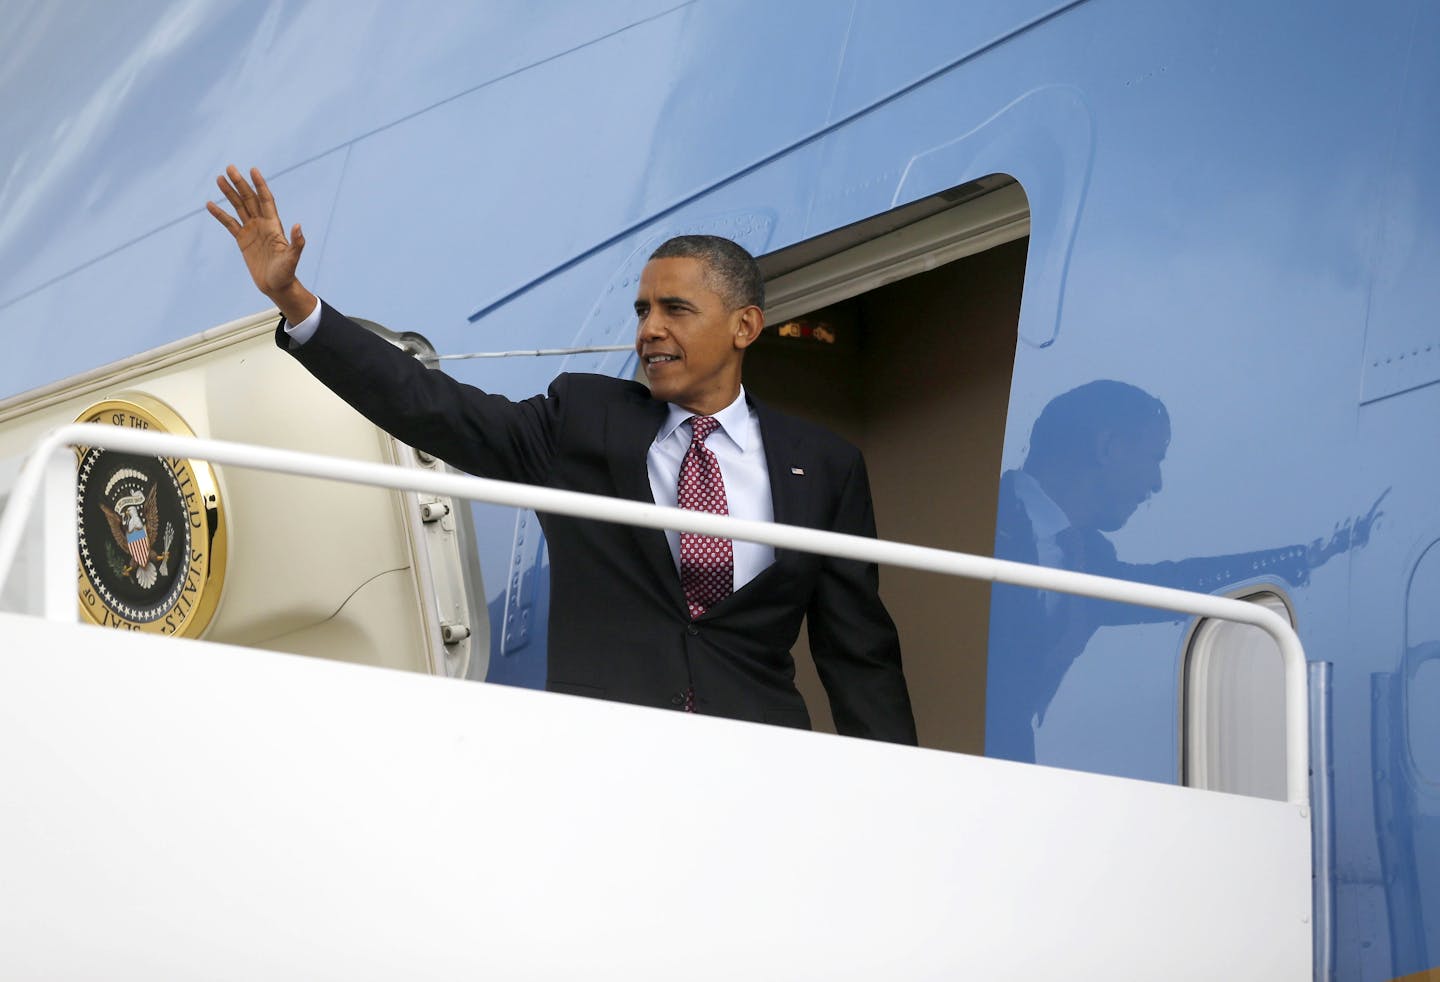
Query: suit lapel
x=788 y=461
x=631 y=425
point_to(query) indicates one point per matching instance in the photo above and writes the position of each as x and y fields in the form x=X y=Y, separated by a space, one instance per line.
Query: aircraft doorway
x=913 y=367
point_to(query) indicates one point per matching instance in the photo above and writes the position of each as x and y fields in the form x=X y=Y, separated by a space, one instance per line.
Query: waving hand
x=269 y=255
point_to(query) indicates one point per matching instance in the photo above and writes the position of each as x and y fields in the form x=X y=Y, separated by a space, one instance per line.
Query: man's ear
x=750 y=321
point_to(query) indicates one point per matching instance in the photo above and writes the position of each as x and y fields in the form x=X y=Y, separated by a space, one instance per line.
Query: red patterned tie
x=707 y=564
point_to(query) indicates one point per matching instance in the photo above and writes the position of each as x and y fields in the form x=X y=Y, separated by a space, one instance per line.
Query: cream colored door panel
x=311 y=567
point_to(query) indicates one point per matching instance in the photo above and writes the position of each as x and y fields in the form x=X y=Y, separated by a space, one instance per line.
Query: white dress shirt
x=1047 y=519
x=305 y=330
x=736 y=444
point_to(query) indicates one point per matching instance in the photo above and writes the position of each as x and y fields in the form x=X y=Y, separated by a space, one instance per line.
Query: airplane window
x=1422 y=696
x=1234 y=703
x=1422 y=665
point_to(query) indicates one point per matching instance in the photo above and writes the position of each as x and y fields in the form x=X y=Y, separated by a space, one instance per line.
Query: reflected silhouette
x=1095 y=456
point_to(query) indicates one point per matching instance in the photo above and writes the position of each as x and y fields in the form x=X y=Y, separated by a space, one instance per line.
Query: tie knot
x=701 y=427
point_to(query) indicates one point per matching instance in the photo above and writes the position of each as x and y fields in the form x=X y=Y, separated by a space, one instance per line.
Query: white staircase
x=180 y=809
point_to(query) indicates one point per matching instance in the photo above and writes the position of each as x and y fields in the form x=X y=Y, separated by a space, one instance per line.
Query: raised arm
x=269 y=255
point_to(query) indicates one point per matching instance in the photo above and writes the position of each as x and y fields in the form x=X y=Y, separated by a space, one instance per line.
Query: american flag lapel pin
x=798 y=471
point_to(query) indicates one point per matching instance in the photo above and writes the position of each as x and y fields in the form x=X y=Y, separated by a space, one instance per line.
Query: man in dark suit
x=679 y=621
x=1095 y=457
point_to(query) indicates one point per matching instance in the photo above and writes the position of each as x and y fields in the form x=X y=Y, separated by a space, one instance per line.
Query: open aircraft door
x=247 y=557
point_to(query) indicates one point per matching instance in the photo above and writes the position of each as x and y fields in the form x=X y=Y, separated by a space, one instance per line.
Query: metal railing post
x=57 y=536
x=1322 y=825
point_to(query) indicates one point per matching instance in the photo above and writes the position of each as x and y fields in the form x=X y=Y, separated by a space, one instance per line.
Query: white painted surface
x=300 y=551
x=177 y=810
x=623 y=511
x=1234 y=740
x=1000 y=216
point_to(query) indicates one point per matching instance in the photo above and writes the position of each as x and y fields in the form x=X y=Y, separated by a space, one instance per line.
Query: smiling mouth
x=653 y=360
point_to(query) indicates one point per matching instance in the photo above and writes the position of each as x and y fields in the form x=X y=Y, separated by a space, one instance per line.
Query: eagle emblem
x=134 y=517
x=150 y=531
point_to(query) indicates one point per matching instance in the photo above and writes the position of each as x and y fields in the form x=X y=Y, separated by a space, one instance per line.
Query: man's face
x=689 y=340
x=1130 y=471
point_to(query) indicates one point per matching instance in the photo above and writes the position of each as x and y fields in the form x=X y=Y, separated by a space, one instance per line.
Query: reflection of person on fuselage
x=1094 y=458
x=668 y=620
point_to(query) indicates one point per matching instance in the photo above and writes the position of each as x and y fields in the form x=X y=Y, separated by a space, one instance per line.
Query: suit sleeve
x=475 y=431
x=1200 y=574
x=852 y=638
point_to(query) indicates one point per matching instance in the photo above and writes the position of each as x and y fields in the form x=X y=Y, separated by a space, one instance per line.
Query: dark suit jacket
x=619 y=626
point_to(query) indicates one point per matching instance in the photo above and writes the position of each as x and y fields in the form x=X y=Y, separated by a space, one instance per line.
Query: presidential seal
x=151 y=529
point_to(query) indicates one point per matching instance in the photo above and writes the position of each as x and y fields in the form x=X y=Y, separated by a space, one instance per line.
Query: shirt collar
x=732 y=420
x=1047 y=519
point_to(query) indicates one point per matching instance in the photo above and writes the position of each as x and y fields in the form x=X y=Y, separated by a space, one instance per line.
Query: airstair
x=186 y=809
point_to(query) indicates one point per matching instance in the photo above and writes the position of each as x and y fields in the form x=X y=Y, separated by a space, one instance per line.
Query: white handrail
x=54 y=454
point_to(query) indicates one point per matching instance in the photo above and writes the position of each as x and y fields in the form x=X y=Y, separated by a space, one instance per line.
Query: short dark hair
x=731 y=270
x=1065 y=431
